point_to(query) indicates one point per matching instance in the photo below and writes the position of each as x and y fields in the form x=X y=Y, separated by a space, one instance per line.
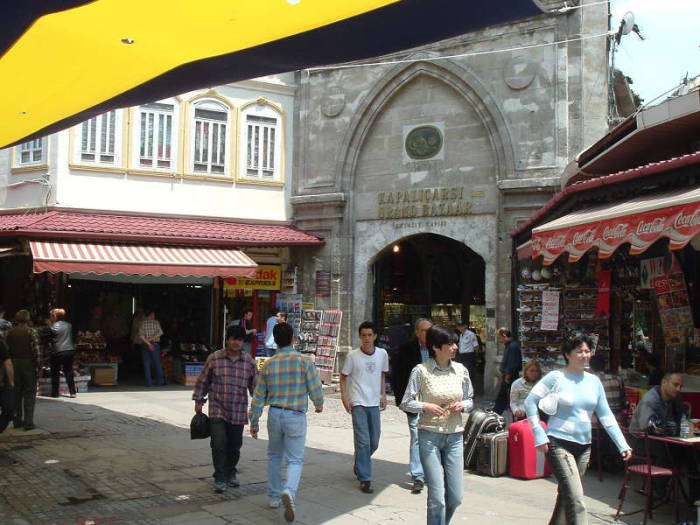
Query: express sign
x=265 y=278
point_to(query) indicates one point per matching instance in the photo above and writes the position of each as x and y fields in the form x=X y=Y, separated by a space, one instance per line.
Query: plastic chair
x=643 y=466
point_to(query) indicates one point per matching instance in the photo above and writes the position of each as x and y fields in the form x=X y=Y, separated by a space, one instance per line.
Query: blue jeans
x=286 y=431
x=414 y=453
x=151 y=359
x=441 y=456
x=226 y=442
x=568 y=461
x=366 y=428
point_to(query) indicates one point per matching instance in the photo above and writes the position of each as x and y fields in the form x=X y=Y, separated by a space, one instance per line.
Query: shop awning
x=639 y=222
x=134 y=259
x=71 y=60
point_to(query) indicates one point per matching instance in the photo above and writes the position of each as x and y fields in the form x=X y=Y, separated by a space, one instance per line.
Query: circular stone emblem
x=333 y=102
x=423 y=142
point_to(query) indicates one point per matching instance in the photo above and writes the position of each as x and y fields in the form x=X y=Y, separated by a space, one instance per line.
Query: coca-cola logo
x=618 y=231
x=654 y=226
x=687 y=221
x=558 y=241
x=585 y=237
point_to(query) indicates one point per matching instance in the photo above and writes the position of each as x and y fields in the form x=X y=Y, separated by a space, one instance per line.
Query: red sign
x=678 y=223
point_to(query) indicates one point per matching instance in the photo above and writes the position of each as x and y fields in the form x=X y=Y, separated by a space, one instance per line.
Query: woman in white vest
x=440 y=390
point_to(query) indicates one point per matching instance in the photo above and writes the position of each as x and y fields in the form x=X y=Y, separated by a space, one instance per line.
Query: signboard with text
x=267 y=277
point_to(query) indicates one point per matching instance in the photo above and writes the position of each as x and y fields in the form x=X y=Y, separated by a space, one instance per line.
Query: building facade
x=415 y=168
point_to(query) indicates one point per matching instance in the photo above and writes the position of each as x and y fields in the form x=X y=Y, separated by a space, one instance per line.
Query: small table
x=693 y=442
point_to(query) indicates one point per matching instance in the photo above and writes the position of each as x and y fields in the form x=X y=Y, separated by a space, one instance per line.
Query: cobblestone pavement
x=124 y=456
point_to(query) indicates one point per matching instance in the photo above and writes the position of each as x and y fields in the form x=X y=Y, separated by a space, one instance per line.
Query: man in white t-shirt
x=363 y=393
x=467 y=348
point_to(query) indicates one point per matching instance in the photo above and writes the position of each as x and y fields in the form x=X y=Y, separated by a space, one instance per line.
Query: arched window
x=261 y=142
x=156 y=127
x=99 y=139
x=210 y=136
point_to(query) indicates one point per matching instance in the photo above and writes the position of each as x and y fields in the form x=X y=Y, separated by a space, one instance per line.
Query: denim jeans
x=568 y=461
x=441 y=456
x=286 y=431
x=151 y=359
x=414 y=453
x=366 y=428
x=226 y=442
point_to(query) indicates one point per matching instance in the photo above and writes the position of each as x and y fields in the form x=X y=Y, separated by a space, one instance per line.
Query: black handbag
x=199 y=426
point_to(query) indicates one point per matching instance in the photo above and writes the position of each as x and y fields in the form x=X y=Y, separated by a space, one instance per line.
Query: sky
x=671 y=48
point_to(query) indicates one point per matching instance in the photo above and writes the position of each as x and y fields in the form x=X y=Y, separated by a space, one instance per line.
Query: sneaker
x=274 y=503
x=233 y=481
x=219 y=487
x=29 y=426
x=288 y=503
x=417 y=486
x=366 y=487
x=72 y=396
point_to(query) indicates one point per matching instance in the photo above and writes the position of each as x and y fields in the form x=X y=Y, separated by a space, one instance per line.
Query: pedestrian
x=62 y=352
x=225 y=381
x=521 y=388
x=149 y=333
x=286 y=381
x=7 y=386
x=23 y=343
x=363 y=393
x=656 y=373
x=613 y=385
x=270 y=345
x=247 y=324
x=510 y=368
x=403 y=360
x=440 y=391
x=5 y=325
x=467 y=348
x=572 y=396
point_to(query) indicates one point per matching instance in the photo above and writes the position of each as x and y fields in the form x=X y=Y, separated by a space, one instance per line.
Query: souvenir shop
x=626 y=273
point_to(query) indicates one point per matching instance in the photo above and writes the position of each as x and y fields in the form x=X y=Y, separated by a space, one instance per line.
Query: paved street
x=125 y=457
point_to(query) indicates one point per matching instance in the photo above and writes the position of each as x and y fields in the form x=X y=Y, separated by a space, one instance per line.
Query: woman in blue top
x=567 y=442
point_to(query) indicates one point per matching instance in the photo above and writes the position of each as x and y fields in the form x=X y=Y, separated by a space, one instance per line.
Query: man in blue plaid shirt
x=285 y=383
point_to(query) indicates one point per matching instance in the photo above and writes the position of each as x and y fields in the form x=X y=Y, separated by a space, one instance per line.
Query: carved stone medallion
x=423 y=142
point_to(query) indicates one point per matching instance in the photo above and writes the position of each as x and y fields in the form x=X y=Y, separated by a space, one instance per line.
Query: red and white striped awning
x=133 y=259
x=639 y=222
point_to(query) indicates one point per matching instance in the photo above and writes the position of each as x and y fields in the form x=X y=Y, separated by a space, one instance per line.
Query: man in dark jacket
x=510 y=368
x=23 y=343
x=402 y=361
x=7 y=386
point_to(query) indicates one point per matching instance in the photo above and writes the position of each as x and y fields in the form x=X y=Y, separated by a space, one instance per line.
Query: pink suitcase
x=524 y=460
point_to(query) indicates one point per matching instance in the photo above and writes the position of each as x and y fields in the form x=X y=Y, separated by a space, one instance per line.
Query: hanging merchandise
x=604 y=280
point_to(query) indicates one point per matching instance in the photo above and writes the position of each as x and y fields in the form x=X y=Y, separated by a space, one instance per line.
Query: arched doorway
x=429 y=275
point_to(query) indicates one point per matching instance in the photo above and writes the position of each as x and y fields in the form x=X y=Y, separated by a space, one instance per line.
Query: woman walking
x=62 y=352
x=573 y=395
x=440 y=390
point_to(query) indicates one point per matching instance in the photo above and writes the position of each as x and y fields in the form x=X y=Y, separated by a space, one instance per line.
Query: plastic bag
x=199 y=427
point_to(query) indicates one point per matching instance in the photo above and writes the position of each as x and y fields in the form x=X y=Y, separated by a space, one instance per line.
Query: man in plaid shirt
x=227 y=377
x=286 y=380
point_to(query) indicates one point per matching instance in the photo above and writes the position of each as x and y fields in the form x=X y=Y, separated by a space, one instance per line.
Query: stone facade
x=509 y=123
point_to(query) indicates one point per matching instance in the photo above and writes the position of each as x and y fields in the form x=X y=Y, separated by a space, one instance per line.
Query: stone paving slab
x=107 y=457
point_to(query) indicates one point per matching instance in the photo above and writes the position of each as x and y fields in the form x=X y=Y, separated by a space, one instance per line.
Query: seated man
x=660 y=404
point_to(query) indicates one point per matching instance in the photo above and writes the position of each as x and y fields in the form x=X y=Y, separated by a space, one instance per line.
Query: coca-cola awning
x=639 y=222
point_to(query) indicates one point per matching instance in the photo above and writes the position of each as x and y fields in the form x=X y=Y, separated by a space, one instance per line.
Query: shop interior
x=651 y=314
x=103 y=313
x=432 y=276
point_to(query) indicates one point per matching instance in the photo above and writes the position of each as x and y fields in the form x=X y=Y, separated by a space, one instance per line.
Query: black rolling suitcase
x=492 y=454
x=479 y=422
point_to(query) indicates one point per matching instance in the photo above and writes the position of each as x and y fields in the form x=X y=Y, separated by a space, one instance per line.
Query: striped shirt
x=579 y=397
x=150 y=328
x=227 y=382
x=286 y=380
